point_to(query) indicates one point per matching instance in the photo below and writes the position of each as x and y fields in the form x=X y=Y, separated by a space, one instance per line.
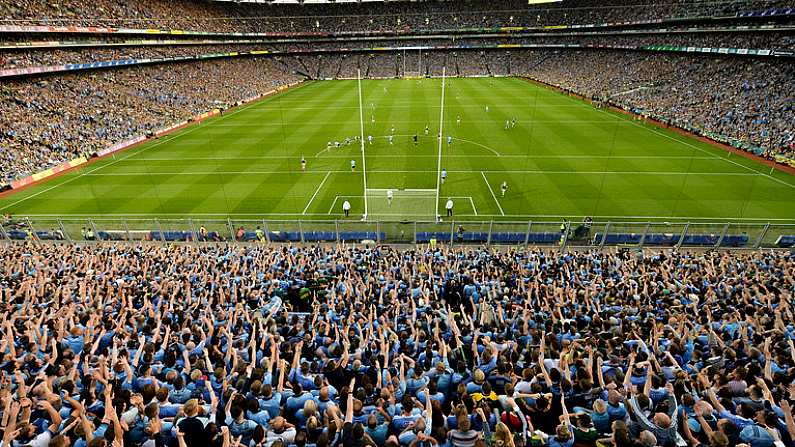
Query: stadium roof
x=326 y=2
x=309 y=2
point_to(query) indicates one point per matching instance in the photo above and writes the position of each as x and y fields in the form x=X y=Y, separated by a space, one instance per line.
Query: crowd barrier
x=713 y=235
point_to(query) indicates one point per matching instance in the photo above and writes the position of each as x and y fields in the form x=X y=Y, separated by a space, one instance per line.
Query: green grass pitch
x=563 y=158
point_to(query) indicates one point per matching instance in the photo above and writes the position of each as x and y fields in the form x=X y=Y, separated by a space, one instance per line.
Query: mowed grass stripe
x=564 y=158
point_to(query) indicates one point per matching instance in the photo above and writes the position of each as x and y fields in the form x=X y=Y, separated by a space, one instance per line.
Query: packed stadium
x=457 y=223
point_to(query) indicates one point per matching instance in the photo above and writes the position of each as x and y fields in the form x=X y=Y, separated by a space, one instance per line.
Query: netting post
x=337 y=229
x=126 y=230
x=604 y=236
x=193 y=235
x=565 y=239
x=762 y=236
x=682 y=237
x=722 y=235
x=160 y=229
x=267 y=232
x=301 y=230
x=452 y=232
x=63 y=230
x=32 y=230
x=230 y=227
x=491 y=227
x=645 y=233
x=94 y=227
x=527 y=234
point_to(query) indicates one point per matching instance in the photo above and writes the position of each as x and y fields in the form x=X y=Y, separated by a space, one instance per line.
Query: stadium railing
x=466 y=232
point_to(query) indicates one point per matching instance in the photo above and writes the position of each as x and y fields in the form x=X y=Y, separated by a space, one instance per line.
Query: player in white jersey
x=303 y=163
x=444 y=175
x=390 y=139
x=389 y=197
x=393 y=129
x=504 y=188
x=449 y=141
x=353 y=165
x=370 y=139
x=487 y=109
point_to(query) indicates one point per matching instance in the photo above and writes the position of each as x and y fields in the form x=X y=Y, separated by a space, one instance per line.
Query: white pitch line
x=265 y=125
x=401 y=107
x=722 y=220
x=492 y=193
x=542 y=172
x=317 y=191
x=473 y=205
x=530 y=156
x=131 y=154
x=91 y=172
x=332 y=205
x=687 y=143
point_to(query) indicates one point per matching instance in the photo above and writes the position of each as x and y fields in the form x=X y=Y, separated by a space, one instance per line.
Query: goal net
x=405 y=203
x=412 y=75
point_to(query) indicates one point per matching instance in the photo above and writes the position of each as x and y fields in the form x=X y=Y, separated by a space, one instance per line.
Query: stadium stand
x=46 y=121
x=219 y=345
x=370 y=16
x=311 y=338
x=640 y=74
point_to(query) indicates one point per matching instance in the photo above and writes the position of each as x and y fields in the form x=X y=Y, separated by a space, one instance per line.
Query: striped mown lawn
x=561 y=158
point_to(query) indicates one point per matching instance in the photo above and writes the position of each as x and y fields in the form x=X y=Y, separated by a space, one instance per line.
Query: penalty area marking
x=502 y=213
x=336 y=198
x=319 y=187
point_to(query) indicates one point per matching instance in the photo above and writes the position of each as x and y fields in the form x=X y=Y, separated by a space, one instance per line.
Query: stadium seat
x=617 y=239
x=249 y=236
x=361 y=236
x=211 y=236
x=171 y=236
x=111 y=235
x=508 y=238
x=735 y=240
x=320 y=236
x=276 y=236
x=470 y=236
x=424 y=237
x=786 y=241
x=17 y=235
x=544 y=238
x=48 y=236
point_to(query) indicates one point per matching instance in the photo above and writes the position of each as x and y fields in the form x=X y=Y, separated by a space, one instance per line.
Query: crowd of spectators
x=46 y=121
x=223 y=345
x=49 y=120
x=26 y=57
x=745 y=99
x=369 y=16
x=52 y=56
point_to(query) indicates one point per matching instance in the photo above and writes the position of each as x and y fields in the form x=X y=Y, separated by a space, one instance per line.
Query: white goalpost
x=415 y=197
x=361 y=139
x=441 y=137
